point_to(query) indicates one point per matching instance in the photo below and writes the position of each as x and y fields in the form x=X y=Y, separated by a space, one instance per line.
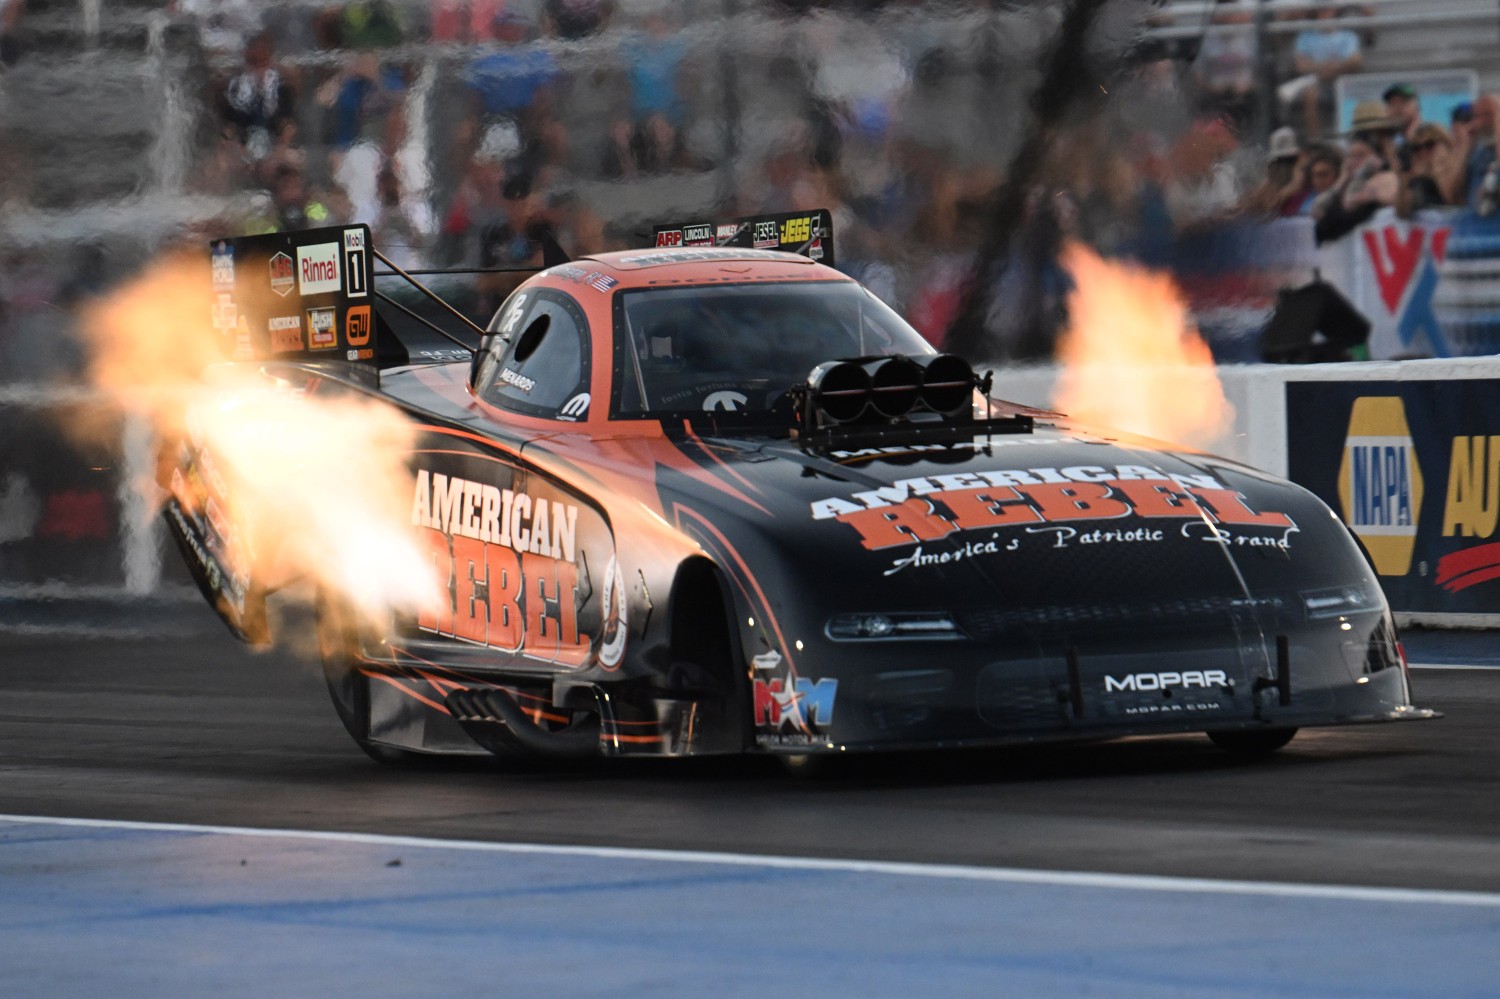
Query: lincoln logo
x=1166 y=681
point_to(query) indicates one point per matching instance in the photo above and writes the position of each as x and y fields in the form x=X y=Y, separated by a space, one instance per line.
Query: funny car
x=713 y=496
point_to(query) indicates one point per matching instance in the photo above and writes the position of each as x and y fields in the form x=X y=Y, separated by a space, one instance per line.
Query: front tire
x=1252 y=743
x=349 y=688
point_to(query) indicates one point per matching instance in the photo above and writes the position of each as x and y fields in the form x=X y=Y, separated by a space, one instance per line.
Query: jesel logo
x=508 y=559
x=1472 y=510
x=1380 y=482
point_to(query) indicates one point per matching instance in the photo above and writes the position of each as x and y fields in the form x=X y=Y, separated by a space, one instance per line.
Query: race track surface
x=186 y=726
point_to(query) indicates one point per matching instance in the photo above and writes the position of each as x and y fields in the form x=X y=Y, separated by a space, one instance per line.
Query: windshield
x=739 y=348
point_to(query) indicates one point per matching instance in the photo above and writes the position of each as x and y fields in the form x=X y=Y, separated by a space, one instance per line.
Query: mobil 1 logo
x=354 y=263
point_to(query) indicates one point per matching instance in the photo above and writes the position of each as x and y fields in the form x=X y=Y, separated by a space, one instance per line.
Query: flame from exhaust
x=318 y=488
x=1132 y=357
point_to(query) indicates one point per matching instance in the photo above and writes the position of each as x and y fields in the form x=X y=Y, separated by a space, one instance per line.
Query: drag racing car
x=713 y=496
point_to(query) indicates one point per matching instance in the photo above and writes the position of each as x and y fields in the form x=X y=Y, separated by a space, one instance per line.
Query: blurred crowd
x=460 y=130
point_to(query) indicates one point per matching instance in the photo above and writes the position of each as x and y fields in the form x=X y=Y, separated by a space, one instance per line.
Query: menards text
x=932 y=507
x=508 y=559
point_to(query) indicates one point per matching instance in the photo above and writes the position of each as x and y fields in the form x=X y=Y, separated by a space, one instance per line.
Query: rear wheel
x=348 y=686
x=1252 y=742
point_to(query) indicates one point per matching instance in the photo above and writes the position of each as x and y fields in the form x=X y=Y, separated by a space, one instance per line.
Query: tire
x=1253 y=742
x=349 y=689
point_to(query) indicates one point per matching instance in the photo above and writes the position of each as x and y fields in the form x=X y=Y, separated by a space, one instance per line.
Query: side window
x=543 y=368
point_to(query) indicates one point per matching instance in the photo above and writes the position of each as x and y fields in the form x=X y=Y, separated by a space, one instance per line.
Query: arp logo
x=1380 y=482
x=669 y=237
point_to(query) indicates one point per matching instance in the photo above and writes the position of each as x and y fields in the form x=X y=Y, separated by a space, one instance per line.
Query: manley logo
x=1380 y=482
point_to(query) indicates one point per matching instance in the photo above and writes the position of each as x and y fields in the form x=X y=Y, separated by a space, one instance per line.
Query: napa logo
x=1380 y=483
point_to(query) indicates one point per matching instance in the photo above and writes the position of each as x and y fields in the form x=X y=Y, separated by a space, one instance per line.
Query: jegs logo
x=508 y=562
x=796 y=231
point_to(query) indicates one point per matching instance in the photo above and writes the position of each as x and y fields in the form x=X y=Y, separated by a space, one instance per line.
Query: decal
x=357 y=325
x=594 y=279
x=669 y=237
x=766 y=235
x=797 y=231
x=520 y=381
x=815 y=248
x=283 y=274
x=225 y=315
x=612 y=640
x=354 y=263
x=727 y=400
x=286 y=333
x=575 y=408
x=791 y=710
x=726 y=231
x=1380 y=482
x=514 y=315
x=701 y=234
x=242 y=348
x=318 y=269
x=222 y=261
x=1168 y=680
x=510 y=564
x=601 y=282
x=321 y=334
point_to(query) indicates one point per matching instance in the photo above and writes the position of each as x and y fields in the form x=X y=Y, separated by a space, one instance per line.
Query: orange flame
x=318 y=486
x=1132 y=357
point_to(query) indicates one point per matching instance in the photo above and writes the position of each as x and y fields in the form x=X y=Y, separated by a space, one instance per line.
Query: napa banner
x=1413 y=467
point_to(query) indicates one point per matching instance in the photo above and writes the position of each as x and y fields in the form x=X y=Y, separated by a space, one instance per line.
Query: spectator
x=1281 y=192
x=514 y=82
x=1323 y=53
x=1404 y=106
x=1321 y=168
x=651 y=139
x=257 y=98
x=359 y=97
x=579 y=18
x=292 y=208
x=1476 y=150
x=1367 y=182
x=1226 y=65
x=1424 y=165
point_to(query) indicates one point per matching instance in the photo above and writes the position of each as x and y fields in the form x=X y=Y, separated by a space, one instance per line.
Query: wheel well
x=700 y=616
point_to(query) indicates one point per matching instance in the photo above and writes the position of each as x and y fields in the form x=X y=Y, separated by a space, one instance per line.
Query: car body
x=706 y=500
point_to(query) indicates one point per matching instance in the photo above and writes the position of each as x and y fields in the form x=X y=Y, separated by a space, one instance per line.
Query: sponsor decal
x=727 y=400
x=698 y=235
x=594 y=279
x=601 y=282
x=669 y=237
x=221 y=259
x=354 y=263
x=612 y=610
x=225 y=315
x=520 y=381
x=1471 y=509
x=509 y=559
x=726 y=231
x=1185 y=679
x=575 y=408
x=357 y=323
x=318 y=269
x=286 y=333
x=795 y=232
x=1061 y=506
x=514 y=315
x=766 y=235
x=321 y=334
x=243 y=351
x=792 y=710
x=283 y=274
x=1380 y=483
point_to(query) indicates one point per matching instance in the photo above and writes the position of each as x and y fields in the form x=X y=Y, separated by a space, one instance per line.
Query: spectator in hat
x=1404 y=106
x=1280 y=192
x=1324 y=52
x=1368 y=181
x=1474 y=147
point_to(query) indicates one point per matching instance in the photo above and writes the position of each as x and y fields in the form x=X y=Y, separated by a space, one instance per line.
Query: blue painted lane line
x=125 y=910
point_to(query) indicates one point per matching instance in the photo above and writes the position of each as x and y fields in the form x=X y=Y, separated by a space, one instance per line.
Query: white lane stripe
x=1007 y=875
x=1451 y=666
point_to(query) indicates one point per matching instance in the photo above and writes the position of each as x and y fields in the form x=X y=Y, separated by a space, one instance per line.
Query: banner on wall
x=1413 y=467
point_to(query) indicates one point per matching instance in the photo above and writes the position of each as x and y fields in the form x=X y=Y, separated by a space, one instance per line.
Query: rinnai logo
x=318 y=269
x=1166 y=681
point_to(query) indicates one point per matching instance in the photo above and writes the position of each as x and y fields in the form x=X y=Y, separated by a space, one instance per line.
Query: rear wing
x=296 y=295
x=809 y=234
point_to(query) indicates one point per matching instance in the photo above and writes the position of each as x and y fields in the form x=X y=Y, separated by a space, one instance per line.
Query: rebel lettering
x=992 y=507
x=1156 y=499
x=1230 y=508
x=1075 y=501
x=913 y=520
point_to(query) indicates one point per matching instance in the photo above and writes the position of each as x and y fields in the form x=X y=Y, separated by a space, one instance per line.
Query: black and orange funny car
x=713 y=496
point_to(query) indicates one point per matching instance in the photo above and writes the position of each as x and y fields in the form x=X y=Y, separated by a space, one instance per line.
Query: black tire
x=349 y=689
x=1249 y=743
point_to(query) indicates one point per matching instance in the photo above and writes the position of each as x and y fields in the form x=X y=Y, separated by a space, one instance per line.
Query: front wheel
x=349 y=687
x=1252 y=742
